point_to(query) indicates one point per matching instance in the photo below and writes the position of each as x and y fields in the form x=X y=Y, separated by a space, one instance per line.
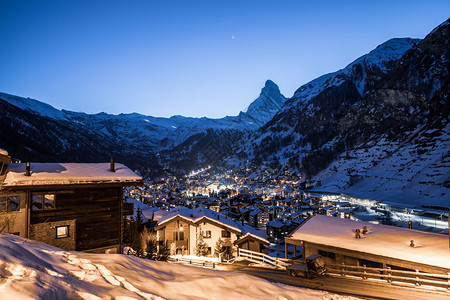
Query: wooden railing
x=278 y=263
x=413 y=278
x=200 y=263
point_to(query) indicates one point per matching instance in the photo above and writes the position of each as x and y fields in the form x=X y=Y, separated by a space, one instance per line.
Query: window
x=9 y=203
x=62 y=231
x=206 y=234
x=226 y=234
x=178 y=235
x=49 y=201
x=43 y=201
x=36 y=202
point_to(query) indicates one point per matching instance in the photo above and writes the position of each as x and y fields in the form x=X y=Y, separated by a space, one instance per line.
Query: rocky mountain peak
x=269 y=101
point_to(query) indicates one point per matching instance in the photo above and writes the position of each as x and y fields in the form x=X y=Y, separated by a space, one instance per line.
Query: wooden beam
x=285 y=249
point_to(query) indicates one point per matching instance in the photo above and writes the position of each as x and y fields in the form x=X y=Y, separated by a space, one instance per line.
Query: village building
x=344 y=241
x=182 y=226
x=73 y=206
x=258 y=218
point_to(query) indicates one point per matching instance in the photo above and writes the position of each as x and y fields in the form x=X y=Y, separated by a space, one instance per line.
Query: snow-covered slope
x=316 y=104
x=32 y=270
x=383 y=120
x=126 y=135
x=267 y=104
x=362 y=72
x=412 y=173
x=34 y=106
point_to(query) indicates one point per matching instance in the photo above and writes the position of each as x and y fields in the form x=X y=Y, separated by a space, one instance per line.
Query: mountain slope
x=378 y=127
x=267 y=104
x=310 y=118
x=409 y=161
x=50 y=134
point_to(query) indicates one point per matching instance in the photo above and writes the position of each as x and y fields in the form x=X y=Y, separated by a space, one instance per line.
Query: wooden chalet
x=73 y=206
x=181 y=228
x=252 y=242
x=376 y=246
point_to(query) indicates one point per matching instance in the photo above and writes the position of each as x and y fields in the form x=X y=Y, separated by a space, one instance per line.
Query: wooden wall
x=97 y=212
x=350 y=257
x=174 y=226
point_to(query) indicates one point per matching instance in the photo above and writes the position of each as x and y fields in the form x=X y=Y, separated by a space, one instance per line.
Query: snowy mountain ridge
x=377 y=128
x=376 y=62
x=34 y=106
x=132 y=134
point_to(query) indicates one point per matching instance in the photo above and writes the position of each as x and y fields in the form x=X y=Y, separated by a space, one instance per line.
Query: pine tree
x=139 y=220
x=133 y=232
x=151 y=245
x=218 y=250
x=138 y=245
x=201 y=247
x=164 y=252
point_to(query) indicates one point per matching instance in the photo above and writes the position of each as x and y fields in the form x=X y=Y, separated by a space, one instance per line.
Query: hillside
x=382 y=120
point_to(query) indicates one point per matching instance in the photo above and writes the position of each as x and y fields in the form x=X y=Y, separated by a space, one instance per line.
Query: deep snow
x=32 y=270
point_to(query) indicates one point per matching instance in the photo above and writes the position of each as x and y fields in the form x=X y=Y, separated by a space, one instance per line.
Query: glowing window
x=62 y=231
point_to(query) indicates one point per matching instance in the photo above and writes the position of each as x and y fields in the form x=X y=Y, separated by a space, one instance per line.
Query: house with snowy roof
x=258 y=217
x=182 y=226
x=379 y=246
x=73 y=206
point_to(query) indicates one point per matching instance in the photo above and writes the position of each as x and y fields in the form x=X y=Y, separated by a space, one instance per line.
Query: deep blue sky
x=193 y=58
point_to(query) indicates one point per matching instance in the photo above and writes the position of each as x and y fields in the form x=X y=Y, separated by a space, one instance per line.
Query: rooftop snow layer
x=68 y=173
x=431 y=248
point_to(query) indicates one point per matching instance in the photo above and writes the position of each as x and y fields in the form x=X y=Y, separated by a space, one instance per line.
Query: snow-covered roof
x=276 y=223
x=255 y=212
x=68 y=173
x=389 y=241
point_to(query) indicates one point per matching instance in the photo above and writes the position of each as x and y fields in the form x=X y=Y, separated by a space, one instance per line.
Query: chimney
x=112 y=168
x=28 y=170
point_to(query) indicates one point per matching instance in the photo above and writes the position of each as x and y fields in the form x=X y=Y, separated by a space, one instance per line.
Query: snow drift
x=30 y=270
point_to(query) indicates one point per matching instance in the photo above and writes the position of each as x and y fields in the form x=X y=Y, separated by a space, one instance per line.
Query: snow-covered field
x=32 y=270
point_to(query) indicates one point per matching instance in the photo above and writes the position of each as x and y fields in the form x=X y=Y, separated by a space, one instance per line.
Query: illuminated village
x=139 y=174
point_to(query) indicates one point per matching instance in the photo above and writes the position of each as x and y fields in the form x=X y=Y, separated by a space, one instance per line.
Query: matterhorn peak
x=269 y=101
x=270 y=88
